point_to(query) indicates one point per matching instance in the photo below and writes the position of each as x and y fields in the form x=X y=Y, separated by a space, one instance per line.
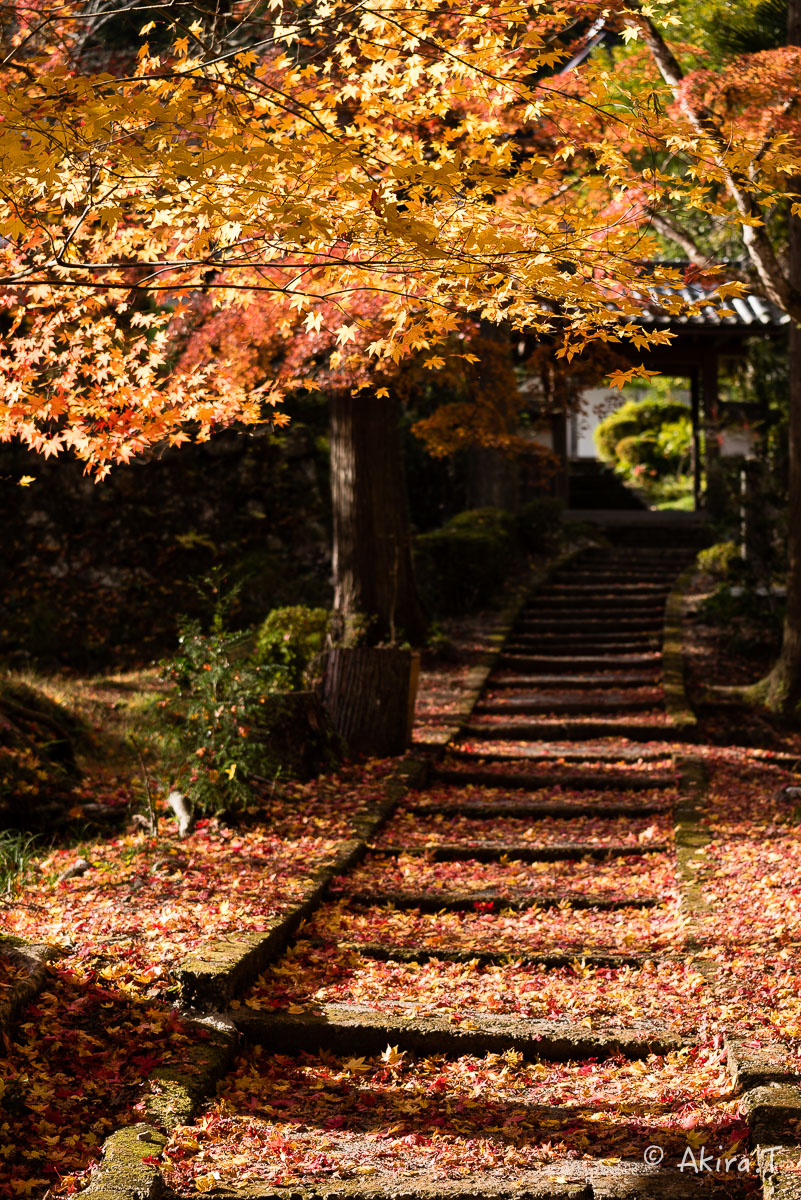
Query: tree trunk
x=372 y=560
x=369 y=692
x=780 y=691
x=493 y=480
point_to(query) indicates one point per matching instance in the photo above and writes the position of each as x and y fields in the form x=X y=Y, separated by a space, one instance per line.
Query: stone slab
x=359 y=1029
x=521 y=731
x=547 y=703
x=553 y=1182
x=123 y=1174
x=33 y=958
x=494 y=851
x=755 y=1066
x=432 y=902
x=491 y=809
x=555 y=958
x=176 y=1092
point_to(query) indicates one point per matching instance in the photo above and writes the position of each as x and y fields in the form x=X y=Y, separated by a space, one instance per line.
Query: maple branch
x=785 y=108
x=667 y=227
x=757 y=243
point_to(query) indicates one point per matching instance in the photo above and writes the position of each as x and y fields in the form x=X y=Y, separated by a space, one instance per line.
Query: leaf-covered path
x=513 y=986
x=573 y=951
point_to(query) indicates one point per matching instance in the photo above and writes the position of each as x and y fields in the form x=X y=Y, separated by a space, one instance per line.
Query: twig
x=151 y=807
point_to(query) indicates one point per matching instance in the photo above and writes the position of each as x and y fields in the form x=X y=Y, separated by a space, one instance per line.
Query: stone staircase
x=593 y=485
x=486 y=1004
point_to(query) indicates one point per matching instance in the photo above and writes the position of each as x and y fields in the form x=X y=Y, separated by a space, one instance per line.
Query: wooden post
x=695 y=399
x=709 y=395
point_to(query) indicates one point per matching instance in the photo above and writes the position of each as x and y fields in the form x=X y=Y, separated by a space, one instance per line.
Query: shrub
x=653 y=431
x=219 y=719
x=539 y=523
x=720 y=560
x=649 y=444
x=460 y=565
x=485 y=520
x=290 y=642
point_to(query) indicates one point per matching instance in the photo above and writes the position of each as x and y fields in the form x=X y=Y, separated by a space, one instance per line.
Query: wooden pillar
x=561 y=483
x=697 y=465
x=715 y=497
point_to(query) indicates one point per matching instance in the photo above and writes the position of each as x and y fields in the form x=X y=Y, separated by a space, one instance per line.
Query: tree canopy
x=353 y=179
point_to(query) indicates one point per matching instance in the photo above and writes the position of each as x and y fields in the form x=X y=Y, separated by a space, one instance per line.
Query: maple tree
x=737 y=137
x=370 y=176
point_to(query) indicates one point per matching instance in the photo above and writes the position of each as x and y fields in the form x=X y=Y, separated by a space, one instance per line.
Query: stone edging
x=125 y=1173
x=690 y=838
x=677 y=704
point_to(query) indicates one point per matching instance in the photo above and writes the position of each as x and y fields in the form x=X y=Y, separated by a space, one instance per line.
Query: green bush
x=539 y=523
x=495 y=521
x=720 y=560
x=663 y=426
x=649 y=444
x=219 y=719
x=460 y=565
x=290 y=642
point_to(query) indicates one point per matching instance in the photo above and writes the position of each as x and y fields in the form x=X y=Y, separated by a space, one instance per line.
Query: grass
x=16 y=852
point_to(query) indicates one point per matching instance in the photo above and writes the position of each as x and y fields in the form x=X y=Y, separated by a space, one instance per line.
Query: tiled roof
x=734 y=311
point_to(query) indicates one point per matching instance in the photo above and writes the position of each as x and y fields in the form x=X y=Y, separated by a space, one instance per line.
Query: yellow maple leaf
x=205 y=1183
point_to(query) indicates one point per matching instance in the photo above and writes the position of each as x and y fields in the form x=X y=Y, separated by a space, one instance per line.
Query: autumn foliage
x=362 y=178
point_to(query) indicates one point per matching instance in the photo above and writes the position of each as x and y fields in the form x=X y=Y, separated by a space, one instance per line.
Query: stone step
x=547 y=959
x=531 y=705
x=488 y=899
x=577 y=645
x=540 y=682
x=648 y=590
x=589 y=623
x=549 y=606
x=488 y=852
x=569 y=663
x=589 y=728
x=594 y=605
x=583 y=635
x=577 y=751
x=361 y=1030
x=653 y=552
x=493 y=809
x=610 y=576
x=582 y=1178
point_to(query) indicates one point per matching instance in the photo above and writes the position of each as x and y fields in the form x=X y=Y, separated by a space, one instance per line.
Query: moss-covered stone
x=177 y=1091
x=677 y=705
x=124 y=1173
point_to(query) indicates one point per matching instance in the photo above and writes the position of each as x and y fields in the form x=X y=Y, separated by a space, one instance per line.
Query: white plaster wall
x=597 y=403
